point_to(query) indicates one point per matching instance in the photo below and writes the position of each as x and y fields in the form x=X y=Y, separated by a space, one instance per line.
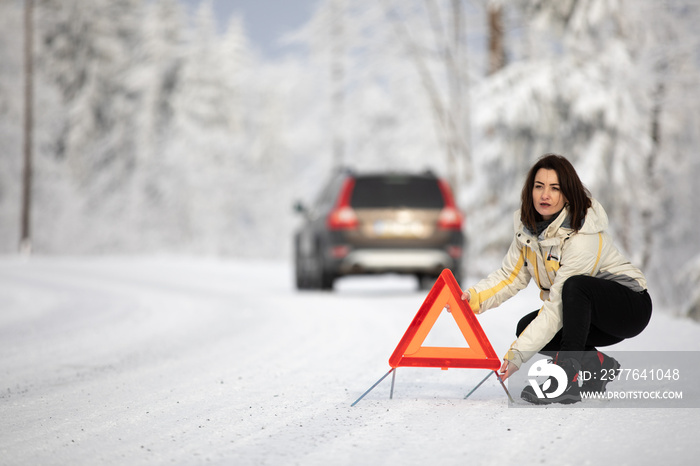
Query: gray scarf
x=544 y=224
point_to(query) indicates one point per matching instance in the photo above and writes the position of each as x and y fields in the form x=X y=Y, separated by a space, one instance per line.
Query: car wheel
x=327 y=280
x=324 y=278
x=315 y=271
x=301 y=273
x=425 y=282
x=302 y=281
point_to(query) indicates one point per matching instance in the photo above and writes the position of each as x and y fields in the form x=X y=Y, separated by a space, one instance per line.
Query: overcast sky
x=265 y=20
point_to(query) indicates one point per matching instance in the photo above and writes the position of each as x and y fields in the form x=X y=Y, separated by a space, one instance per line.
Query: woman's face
x=546 y=194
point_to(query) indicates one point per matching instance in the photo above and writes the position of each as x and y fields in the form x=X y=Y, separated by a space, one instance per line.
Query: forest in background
x=156 y=134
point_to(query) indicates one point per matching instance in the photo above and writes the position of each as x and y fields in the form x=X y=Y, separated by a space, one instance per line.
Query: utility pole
x=460 y=105
x=25 y=244
x=338 y=82
x=497 y=53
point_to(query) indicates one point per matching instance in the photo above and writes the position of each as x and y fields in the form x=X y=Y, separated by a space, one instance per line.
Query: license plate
x=390 y=229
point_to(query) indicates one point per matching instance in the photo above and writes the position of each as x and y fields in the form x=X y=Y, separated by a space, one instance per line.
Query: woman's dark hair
x=577 y=196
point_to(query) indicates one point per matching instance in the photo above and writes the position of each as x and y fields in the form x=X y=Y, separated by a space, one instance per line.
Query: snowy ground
x=175 y=361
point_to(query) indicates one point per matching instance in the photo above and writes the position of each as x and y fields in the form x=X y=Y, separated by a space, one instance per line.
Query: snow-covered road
x=183 y=361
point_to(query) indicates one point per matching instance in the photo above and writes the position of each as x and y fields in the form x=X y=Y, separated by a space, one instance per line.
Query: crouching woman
x=593 y=296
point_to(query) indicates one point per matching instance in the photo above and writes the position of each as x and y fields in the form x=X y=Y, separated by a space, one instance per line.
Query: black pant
x=596 y=312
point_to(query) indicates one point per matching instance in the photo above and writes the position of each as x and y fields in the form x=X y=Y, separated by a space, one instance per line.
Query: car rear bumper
x=396 y=260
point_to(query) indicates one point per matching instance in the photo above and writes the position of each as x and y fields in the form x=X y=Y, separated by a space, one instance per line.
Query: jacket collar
x=596 y=221
x=558 y=228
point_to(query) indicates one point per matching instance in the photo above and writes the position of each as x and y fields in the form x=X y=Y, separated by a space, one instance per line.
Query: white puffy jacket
x=556 y=255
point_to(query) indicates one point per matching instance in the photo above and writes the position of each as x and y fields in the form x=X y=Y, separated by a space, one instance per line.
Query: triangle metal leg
x=479 y=384
x=510 y=398
x=375 y=384
x=484 y=380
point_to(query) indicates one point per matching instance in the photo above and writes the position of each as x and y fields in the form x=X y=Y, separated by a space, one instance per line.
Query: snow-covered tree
x=86 y=53
x=405 y=99
x=154 y=191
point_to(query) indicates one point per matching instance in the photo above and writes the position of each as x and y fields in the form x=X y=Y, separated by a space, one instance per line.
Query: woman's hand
x=465 y=297
x=507 y=369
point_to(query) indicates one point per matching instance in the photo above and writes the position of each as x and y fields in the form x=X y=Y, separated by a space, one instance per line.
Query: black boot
x=571 y=393
x=599 y=370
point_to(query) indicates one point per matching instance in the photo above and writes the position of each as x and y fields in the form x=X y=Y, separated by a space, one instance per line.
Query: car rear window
x=376 y=192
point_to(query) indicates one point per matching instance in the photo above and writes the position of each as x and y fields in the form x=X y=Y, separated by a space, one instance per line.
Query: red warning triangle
x=478 y=355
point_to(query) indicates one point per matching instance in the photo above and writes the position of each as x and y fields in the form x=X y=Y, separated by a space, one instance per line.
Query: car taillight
x=450 y=217
x=343 y=217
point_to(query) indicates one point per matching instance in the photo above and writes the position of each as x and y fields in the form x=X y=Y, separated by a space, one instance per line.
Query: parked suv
x=378 y=223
